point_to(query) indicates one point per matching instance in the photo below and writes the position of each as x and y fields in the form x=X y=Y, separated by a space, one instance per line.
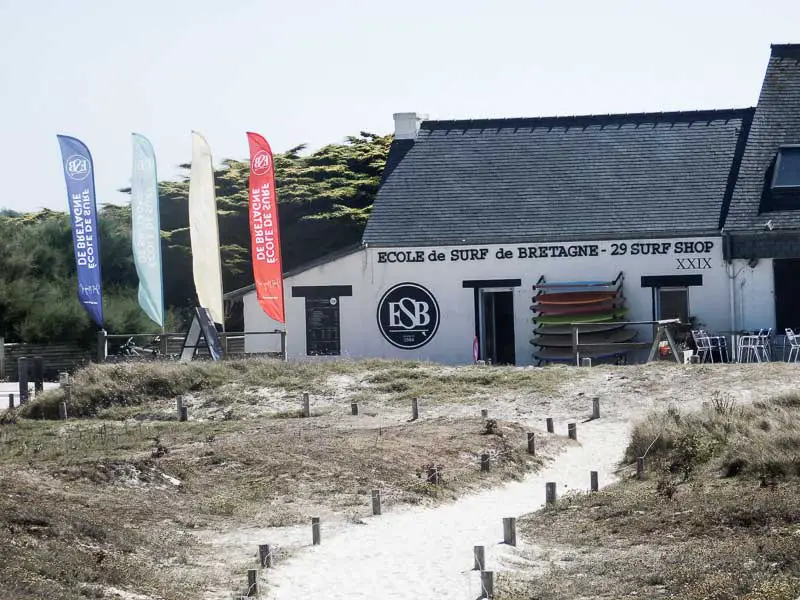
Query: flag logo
x=77 y=167
x=261 y=163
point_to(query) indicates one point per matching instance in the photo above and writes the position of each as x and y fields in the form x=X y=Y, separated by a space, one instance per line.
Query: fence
x=57 y=358
x=66 y=358
x=661 y=333
x=170 y=344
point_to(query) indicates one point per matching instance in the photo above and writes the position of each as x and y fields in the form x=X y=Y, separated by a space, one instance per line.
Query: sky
x=315 y=71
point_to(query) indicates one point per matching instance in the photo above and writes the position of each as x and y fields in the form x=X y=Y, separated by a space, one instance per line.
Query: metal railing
x=165 y=339
x=661 y=326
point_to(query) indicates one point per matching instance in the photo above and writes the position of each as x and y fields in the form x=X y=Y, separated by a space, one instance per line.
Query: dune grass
x=715 y=518
x=101 y=387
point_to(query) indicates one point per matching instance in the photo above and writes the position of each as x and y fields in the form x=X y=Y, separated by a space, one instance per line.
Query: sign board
x=202 y=335
x=408 y=316
x=323 y=332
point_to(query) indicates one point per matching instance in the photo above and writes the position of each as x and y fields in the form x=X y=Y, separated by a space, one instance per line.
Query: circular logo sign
x=261 y=163
x=408 y=316
x=77 y=167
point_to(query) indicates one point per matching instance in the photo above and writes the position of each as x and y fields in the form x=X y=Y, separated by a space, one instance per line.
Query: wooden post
x=531 y=443
x=11 y=401
x=283 y=345
x=484 y=413
x=550 y=497
x=572 y=431
x=485 y=463
x=62 y=411
x=594 y=482
x=265 y=556
x=487 y=584
x=479 y=553
x=102 y=345
x=434 y=475
x=22 y=372
x=38 y=374
x=376 y=502
x=595 y=408
x=414 y=409
x=252 y=583
x=510 y=531
x=640 y=467
x=315 y=533
x=183 y=413
x=586 y=362
x=575 y=352
x=550 y=428
x=354 y=409
x=178 y=406
x=306 y=405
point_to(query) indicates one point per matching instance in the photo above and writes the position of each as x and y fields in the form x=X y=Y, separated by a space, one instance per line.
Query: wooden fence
x=61 y=357
x=57 y=358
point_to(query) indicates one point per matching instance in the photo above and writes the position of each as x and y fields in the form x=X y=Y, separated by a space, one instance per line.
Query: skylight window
x=787 y=168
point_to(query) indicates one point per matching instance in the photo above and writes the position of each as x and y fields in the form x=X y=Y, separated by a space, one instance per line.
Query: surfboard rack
x=563 y=310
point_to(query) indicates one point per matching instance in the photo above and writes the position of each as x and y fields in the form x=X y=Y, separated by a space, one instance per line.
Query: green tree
x=324 y=200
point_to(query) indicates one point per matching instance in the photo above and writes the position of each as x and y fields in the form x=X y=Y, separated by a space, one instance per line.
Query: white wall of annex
x=256 y=320
x=754 y=294
x=452 y=344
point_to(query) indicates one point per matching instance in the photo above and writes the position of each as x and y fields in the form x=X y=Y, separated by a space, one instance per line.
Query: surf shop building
x=488 y=236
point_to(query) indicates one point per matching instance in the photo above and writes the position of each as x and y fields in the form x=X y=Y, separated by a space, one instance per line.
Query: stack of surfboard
x=599 y=307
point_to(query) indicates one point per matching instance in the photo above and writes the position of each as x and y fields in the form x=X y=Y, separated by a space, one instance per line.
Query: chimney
x=406 y=125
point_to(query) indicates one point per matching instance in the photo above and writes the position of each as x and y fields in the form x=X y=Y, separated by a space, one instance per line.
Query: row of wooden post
x=306 y=410
x=433 y=476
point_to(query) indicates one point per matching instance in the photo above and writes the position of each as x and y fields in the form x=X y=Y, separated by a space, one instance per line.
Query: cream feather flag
x=204 y=230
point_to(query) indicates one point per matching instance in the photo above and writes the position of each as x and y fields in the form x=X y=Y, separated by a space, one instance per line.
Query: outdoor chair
x=703 y=343
x=756 y=346
x=718 y=344
x=794 y=345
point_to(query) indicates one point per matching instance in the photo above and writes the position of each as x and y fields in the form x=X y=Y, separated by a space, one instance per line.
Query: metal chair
x=794 y=345
x=703 y=344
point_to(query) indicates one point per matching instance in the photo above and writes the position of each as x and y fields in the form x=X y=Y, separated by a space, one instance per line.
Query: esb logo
x=408 y=316
x=77 y=167
x=261 y=163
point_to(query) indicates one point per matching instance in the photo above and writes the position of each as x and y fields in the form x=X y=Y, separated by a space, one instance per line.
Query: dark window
x=673 y=303
x=787 y=168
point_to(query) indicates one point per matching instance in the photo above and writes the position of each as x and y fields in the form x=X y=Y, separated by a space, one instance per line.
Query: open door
x=496 y=318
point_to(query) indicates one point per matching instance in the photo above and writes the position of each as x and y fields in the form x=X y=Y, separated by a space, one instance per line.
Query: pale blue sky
x=316 y=71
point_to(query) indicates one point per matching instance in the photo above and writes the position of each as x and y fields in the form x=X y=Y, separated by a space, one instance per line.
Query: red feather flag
x=264 y=230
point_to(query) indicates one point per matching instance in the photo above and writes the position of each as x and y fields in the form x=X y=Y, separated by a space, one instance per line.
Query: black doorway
x=787 y=293
x=497 y=312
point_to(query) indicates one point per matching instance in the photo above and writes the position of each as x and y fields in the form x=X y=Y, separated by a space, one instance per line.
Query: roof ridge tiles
x=590 y=119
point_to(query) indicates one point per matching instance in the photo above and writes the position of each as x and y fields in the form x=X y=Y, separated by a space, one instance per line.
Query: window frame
x=671 y=288
x=773 y=184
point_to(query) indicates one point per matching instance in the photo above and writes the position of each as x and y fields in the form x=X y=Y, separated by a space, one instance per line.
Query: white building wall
x=452 y=343
x=754 y=294
x=256 y=320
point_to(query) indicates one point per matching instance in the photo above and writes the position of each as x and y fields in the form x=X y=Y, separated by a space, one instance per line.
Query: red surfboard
x=559 y=298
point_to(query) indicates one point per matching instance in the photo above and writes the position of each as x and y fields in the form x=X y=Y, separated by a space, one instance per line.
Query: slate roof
x=776 y=122
x=559 y=179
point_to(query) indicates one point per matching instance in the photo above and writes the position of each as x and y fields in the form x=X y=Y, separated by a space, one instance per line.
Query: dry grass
x=129 y=385
x=116 y=499
x=716 y=517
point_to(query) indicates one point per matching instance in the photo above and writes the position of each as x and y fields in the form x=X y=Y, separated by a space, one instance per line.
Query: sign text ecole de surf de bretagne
x=681 y=248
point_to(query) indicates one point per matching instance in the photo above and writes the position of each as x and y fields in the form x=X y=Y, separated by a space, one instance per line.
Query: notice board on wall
x=323 y=332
